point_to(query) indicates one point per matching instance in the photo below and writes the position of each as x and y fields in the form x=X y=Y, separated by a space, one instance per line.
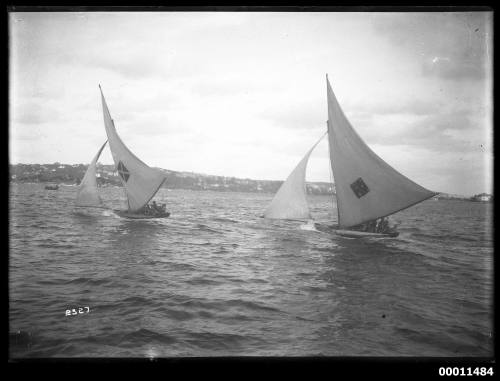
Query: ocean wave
x=146 y=336
x=88 y=281
x=198 y=281
x=224 y=219
x=220 y=340
x=219 y=280
x=205 y=228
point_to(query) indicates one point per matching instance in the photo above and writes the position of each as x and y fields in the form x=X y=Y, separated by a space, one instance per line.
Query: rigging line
x=305 y=182
x=331 y=177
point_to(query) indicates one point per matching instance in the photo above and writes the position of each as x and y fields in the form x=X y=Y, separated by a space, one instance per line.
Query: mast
x=333 y=176
x=334 y=203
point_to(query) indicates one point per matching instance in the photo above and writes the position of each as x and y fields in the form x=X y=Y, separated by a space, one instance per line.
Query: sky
x=243 y=94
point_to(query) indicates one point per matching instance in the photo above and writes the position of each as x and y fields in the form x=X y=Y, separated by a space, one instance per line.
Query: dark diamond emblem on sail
x=359 y=188
x=123 y=171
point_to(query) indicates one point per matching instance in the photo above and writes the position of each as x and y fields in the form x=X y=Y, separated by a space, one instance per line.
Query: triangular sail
x=367 y=187
x=87 y=194
x=140 y=181
x=290 y=201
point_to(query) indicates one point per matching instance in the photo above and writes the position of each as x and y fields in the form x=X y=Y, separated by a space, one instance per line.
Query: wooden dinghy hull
x=358 y=234
x=353 y=233
x=139 y=216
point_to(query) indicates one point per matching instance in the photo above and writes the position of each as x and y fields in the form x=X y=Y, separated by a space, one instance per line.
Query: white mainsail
x=87 y=194
x=367 y=187
x=290 y=201
x=140 y=181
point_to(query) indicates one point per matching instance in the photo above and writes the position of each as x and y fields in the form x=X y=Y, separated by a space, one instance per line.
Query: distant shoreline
x=71 y=174
x=109 y=185
x=443 y=197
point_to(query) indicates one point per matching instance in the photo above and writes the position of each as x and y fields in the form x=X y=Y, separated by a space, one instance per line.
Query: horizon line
x=242 y=178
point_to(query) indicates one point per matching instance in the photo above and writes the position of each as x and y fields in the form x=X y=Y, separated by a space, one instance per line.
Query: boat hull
x=353 y=233
x=358 y=234
x=139 y=216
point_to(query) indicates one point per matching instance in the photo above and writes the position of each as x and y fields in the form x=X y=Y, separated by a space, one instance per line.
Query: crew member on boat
x=155 y=210
x=159 y=208
x=383 y=225
x=380 y=226
x=372 y=226
x=155 y=207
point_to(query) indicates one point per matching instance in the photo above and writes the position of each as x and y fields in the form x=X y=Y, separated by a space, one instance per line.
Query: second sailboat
x=140 y=181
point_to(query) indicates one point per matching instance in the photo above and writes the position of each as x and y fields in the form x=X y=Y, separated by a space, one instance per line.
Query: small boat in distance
x=366 y=187
x=140 y=181
x=87 y=194
x=52 y=187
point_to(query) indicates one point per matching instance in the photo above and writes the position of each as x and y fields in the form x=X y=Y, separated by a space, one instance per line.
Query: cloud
x=396 y=106
x=452 y=69
x=32 y=112
x=297 y=115
x=243 y=94
x=447 y=45
x=223 y=85
x=454 y=131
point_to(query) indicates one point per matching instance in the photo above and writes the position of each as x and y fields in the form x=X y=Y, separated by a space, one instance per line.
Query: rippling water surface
x=214 y=279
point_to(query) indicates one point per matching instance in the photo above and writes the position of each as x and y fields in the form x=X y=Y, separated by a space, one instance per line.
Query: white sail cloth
x=366 y=186
x=290 y=201
x=140 y=181
x=87 y=194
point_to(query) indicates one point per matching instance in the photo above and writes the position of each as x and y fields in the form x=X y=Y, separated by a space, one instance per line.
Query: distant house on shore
x=483 y=197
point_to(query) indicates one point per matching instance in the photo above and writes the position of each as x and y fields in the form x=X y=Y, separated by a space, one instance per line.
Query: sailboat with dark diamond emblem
x=140 y=181
x=367 y=188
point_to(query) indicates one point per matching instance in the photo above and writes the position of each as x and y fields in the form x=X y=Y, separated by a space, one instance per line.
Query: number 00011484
x=77 y=311
x=455 y=371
